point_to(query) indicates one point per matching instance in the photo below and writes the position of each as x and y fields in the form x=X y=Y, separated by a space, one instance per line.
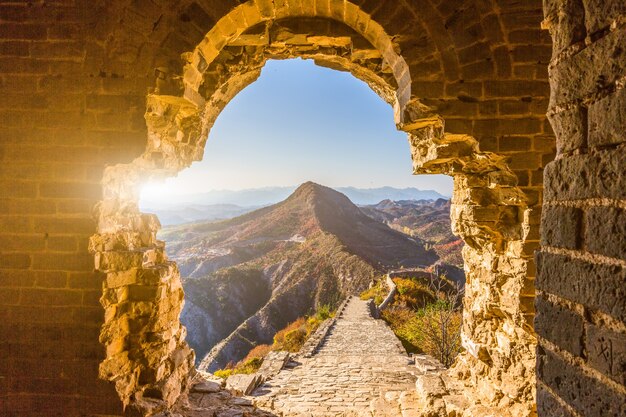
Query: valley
x=247 y=277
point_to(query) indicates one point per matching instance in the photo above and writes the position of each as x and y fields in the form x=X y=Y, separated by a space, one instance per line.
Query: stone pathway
x=359 y=363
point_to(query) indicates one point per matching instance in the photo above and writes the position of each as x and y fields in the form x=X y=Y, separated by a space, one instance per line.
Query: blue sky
x=300 y=122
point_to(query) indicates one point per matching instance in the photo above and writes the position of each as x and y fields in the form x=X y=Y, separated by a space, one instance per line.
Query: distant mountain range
x=257 y=197
x=225 y=204
x=247 y=277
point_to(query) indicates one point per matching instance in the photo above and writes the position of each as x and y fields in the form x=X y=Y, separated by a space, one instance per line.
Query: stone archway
x=147 y=356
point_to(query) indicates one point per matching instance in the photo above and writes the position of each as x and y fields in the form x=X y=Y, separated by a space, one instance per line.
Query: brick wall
x=74 y=76
x=581 y=283
x=63 y=117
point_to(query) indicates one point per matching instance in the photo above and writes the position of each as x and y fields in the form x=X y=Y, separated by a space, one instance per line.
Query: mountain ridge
x=311 y=249
x=256 y=197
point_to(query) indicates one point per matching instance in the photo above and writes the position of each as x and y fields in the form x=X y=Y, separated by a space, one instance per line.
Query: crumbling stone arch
x=146 y=353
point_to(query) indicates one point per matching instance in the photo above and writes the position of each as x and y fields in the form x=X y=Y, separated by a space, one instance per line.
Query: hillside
x=430 y=220
x=247 y=277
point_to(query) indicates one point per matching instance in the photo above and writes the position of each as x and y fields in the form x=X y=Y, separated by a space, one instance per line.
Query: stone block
x=583 y=74
x=561 y=227
x=568 y=334
x=75 y=225
x=273 y=363
x=587 y=395
x=118 y=260
x=547 y=405
x=606 y=352
x=50 y=297
x=206 y=387
x=514 y=143
x=242 y=384
x=15 y=261
x=516 y=89
x=597 y=286
x=121 y=278
x=570 y=127
x=599 y=14
x=607 y=118
x=566 y=22
x=576 y=177
x=605 y=231
x=79 y=261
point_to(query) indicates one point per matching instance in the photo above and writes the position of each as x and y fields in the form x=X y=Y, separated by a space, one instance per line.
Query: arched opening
x=146 y=353
x=303 y=123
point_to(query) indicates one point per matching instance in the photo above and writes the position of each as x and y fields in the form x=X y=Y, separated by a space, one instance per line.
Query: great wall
x=522 y=102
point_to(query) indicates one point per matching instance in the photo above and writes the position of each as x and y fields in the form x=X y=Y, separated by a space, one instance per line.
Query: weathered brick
x=597 y=286
x=583 y=74
x=15 y=278
x=85 y=280
x=568 y=25
x=18 y=189
x=15 y=48
x=51 y=279
x=532 y=53
x=523 y=179
x=75 y=206
x=513 y=107
x=63 y=262
x=569 y=332
x=527 y=160
x=9 y=296
x=64 y=225
x=561 y=227
x=605 y=231
x=597 y=175
x=587 y=395
x=570 y=127
x=544 y=143
x=516 y=89
x=607 y=118
x=514 y=143
x=15 y=260
x=599 y=14
x=536 y=177
x=18 y=243
x=23 y=31
x=478 y=70
x=58 y=50
x=606 y=351
x=50 y=297
x=62 y=243
x=547 y=405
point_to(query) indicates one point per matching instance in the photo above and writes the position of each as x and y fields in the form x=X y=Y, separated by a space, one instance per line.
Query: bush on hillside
x=427 y=318
x=291 y=339
x=377 y=292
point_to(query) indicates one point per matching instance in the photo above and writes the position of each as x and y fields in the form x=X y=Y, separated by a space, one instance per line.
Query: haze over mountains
x=223 y=204
x=247 y=277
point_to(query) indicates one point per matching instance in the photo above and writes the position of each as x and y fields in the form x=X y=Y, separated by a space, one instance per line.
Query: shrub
x=291 y=339
x=412 y=293
x=434 y=328
x=246 y=366
x=440 y=331
x=324 y=312
x=259 y=351
x=377 y=292
x=294 y=339
x=279 y=337
x=223 y=373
